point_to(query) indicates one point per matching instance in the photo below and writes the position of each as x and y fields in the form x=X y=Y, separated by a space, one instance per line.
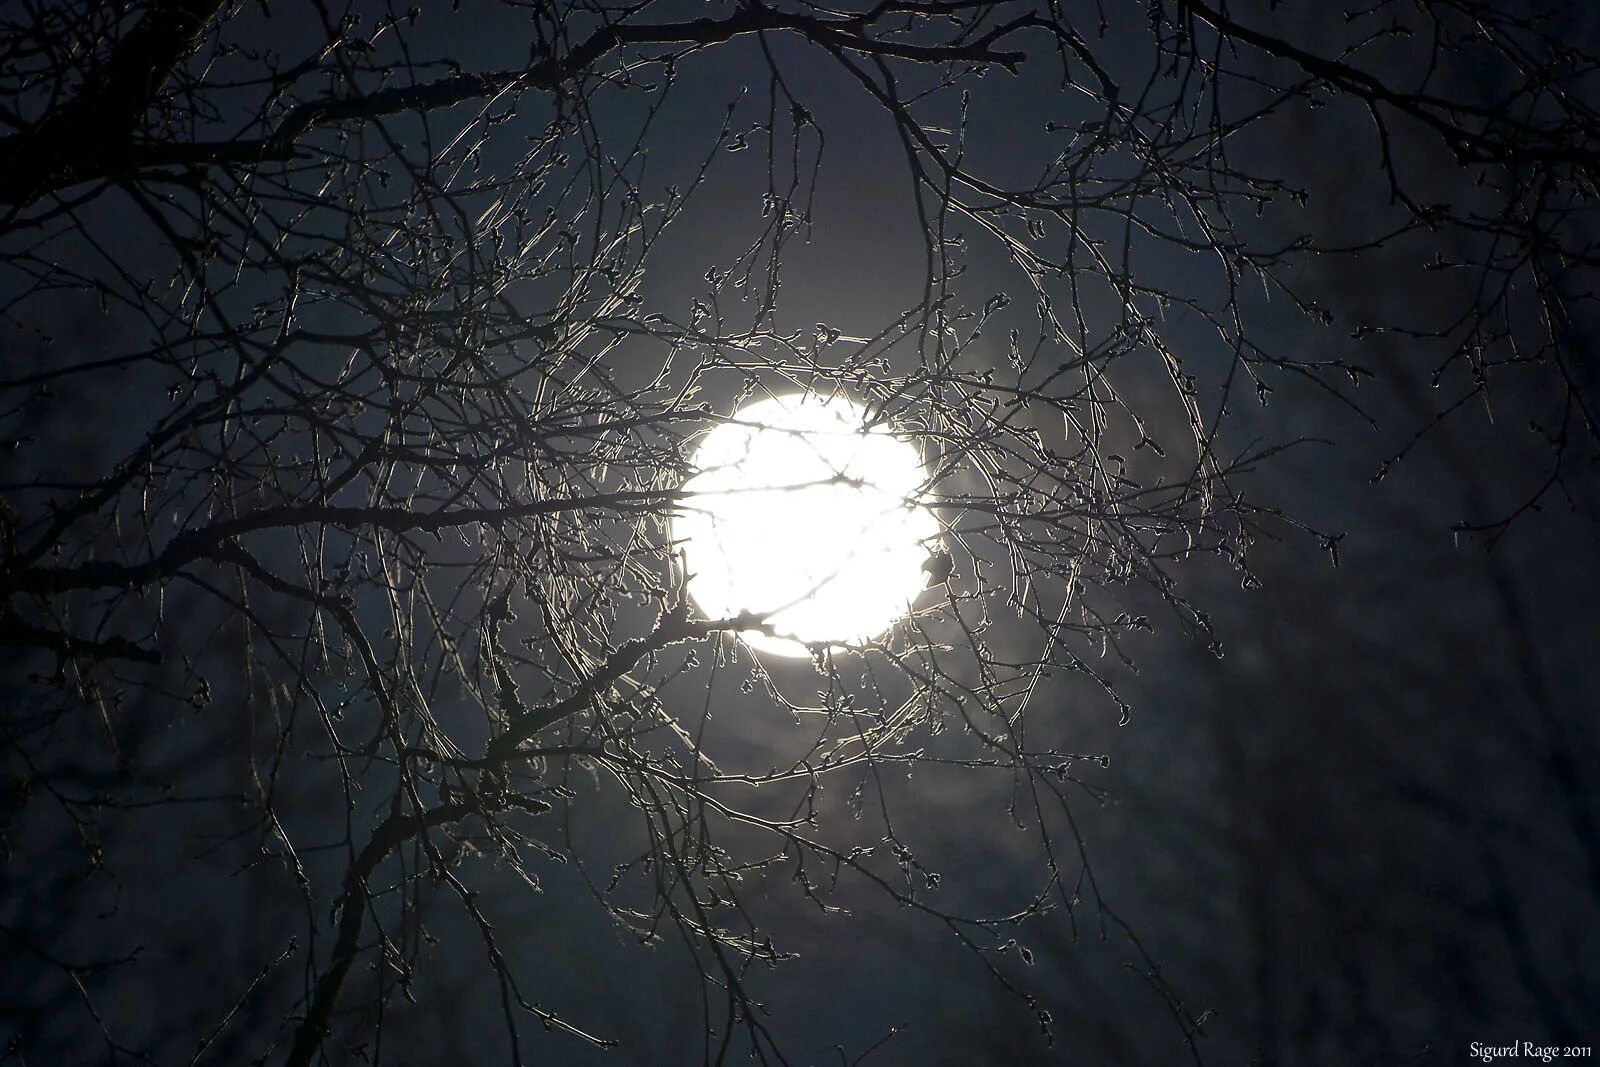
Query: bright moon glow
x=799 y=513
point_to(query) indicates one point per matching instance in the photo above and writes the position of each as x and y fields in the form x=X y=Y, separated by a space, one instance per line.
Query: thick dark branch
x=1503 y=139
x=394 y=832
x=673 y=626
x=24 y=178
x=18 y=634
x=206 y=540
x=91 y=136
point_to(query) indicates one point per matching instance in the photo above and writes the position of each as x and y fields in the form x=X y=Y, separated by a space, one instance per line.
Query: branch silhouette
x=356 y=362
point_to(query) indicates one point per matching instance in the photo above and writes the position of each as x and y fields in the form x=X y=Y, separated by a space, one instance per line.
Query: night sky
x=1331 y=801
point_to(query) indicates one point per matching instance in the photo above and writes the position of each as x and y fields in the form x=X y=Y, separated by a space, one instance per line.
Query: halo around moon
x=799 y=512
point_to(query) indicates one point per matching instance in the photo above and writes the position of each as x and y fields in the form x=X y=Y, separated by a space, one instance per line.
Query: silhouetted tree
x=353 y=361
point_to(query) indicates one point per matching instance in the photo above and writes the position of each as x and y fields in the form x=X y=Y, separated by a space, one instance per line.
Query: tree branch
x=203 y=541
x=390 y=835
x=24 y=179
x=18 y=634
x=91 y=136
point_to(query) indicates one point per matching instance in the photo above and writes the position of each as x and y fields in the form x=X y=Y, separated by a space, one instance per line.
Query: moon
x=800 y=512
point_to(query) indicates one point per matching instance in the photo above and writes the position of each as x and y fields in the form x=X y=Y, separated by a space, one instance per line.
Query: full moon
x=797 y=511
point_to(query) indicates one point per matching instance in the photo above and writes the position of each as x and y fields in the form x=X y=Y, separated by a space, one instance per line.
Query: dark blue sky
x=1366 y=832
